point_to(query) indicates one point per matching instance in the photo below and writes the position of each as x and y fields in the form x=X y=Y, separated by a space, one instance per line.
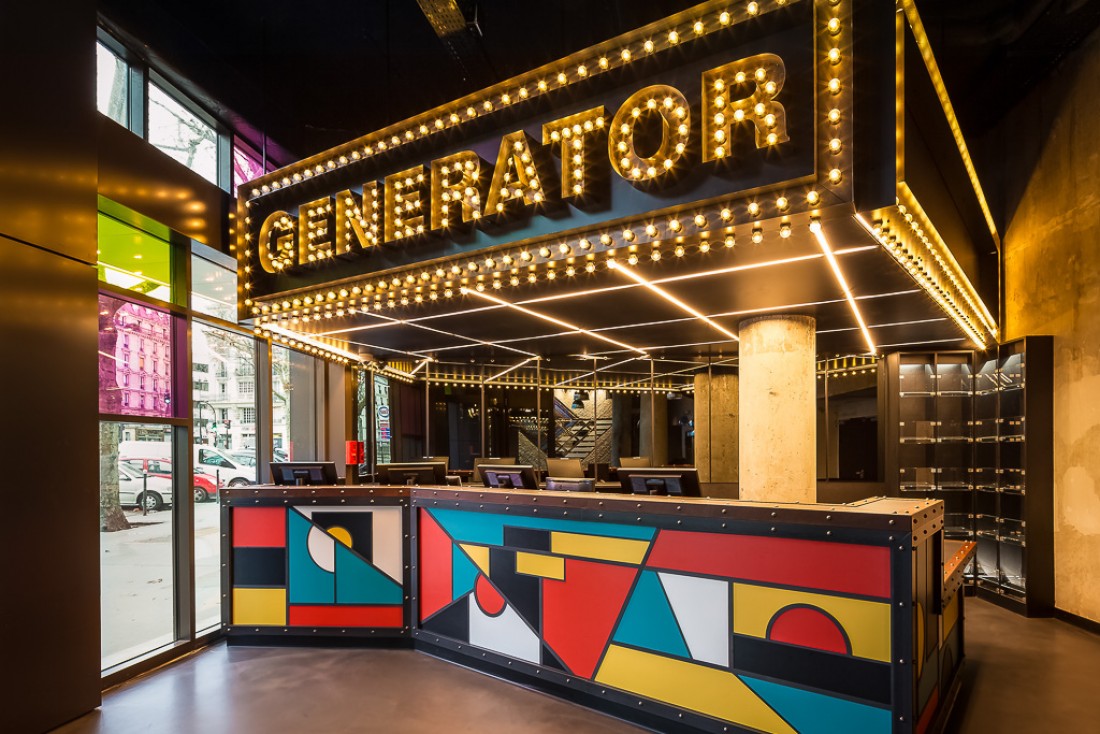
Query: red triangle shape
x=435 y=566
x=579 y=613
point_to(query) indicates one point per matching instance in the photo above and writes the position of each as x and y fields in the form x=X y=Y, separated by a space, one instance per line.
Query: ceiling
x=314 y=76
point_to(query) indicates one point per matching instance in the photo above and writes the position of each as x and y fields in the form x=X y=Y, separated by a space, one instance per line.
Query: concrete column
x=778 y=421
x=716 y=426
x=658 y=417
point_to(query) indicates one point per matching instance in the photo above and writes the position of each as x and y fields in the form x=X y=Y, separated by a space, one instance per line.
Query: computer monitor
x=479 y=460
x=445 y=459
x=564 y=468
x=670 y=480
x=570 y=484
x=420 y=472
x=509 y=476
x=303 y=473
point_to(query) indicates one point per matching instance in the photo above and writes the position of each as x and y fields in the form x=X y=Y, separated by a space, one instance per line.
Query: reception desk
x=680 y=614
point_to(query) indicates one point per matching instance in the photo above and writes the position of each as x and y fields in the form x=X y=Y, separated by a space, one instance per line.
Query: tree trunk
x=111 y=516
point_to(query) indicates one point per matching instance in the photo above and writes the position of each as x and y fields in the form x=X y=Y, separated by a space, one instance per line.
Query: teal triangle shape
x=308 y=583
x=358 y=582
x=817 y=713
x=463 y=573
x=648 y=621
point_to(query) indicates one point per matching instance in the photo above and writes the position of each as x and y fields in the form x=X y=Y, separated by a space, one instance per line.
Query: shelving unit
x=934 y=405
x=975 y=430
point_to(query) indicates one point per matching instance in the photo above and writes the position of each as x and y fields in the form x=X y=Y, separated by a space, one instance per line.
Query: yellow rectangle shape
x=865 y=623
x=261 y=607
x=689 y=686
x=599 y=547
x=533 y=564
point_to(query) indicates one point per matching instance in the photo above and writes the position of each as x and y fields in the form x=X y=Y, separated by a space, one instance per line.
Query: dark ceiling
x=313 y=75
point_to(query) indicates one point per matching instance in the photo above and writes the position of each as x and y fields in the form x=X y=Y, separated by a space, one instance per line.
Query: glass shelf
x=917 y=379
x=1012 y=531
x=918 y=431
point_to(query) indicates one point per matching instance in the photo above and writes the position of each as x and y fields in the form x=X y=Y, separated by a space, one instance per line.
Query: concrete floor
x=1022 y=675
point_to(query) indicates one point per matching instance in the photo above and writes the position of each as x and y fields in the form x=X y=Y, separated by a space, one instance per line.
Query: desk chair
x=634 y=462
x=564 y=468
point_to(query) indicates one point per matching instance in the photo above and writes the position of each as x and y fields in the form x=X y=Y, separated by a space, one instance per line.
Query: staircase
x=575 y=436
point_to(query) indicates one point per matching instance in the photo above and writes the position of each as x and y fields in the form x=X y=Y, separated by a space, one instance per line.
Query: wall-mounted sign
x=681 y=117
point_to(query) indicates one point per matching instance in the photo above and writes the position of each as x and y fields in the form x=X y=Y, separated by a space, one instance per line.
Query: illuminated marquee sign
x=686 y=116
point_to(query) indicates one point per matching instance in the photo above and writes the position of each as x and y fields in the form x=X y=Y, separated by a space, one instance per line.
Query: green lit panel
x=133 y=259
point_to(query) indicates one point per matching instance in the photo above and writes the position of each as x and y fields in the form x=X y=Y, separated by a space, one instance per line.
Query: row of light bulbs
x=937 y=248
x=338 y=303
x=915 y=255
x=529 y=86
x=521 y=266
x=302 y=346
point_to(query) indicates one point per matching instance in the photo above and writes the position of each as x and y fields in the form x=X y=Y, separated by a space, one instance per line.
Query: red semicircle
x=808 y=627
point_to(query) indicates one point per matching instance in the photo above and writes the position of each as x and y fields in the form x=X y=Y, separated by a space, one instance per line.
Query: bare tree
x=111 y=516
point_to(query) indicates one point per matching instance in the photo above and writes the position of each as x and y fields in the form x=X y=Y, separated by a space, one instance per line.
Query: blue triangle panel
x=308 y=583
x=818 y=713
x=358 y=582
x=648 y=621
x=487 y=528
x=463 y=573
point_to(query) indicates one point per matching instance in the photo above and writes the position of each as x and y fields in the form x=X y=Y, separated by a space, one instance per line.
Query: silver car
x=134 y=489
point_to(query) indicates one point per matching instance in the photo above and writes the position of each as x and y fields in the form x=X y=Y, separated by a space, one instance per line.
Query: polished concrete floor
x=1037 y=675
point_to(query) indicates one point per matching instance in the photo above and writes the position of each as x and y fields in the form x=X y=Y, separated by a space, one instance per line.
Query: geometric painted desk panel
x=318 y=566
x=769 y=634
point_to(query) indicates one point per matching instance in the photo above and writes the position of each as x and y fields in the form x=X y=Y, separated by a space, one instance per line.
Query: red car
x=204 y=486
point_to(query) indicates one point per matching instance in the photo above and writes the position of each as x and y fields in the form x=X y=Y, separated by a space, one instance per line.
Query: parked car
x=212 y=461
x=134 y=490
x=244 y=458
x=204 y=485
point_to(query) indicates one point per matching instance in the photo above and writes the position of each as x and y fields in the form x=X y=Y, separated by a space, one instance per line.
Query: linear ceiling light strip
x=617 y=267
x=819 y=233
x=553 y=320
x=592 y=373
x=510 y=369
x=699 y=366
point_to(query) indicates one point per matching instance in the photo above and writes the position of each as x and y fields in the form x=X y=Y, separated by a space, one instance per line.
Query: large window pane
x=133 y=259
x=223 y=364
x=213 y=285
x=182 y=134
x=111 y=84
x=294 y=385
x=246 y=166
x=135 y=359
x=135 y=489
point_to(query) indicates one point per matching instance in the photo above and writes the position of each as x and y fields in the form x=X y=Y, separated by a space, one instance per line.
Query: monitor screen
x=420 y=472
x=509 y=476
x=675 y=481
x=304 y=473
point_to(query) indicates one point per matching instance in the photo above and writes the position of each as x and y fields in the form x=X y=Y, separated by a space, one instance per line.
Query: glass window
x=383 y=428
x=111 y=85
x=246 y=165
x=213 y=283
x=248 y=415
x=136 y=567
x=133 y=259
x=294 y=380
x=181 y=134
x=117 y=316
x=225 y=455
